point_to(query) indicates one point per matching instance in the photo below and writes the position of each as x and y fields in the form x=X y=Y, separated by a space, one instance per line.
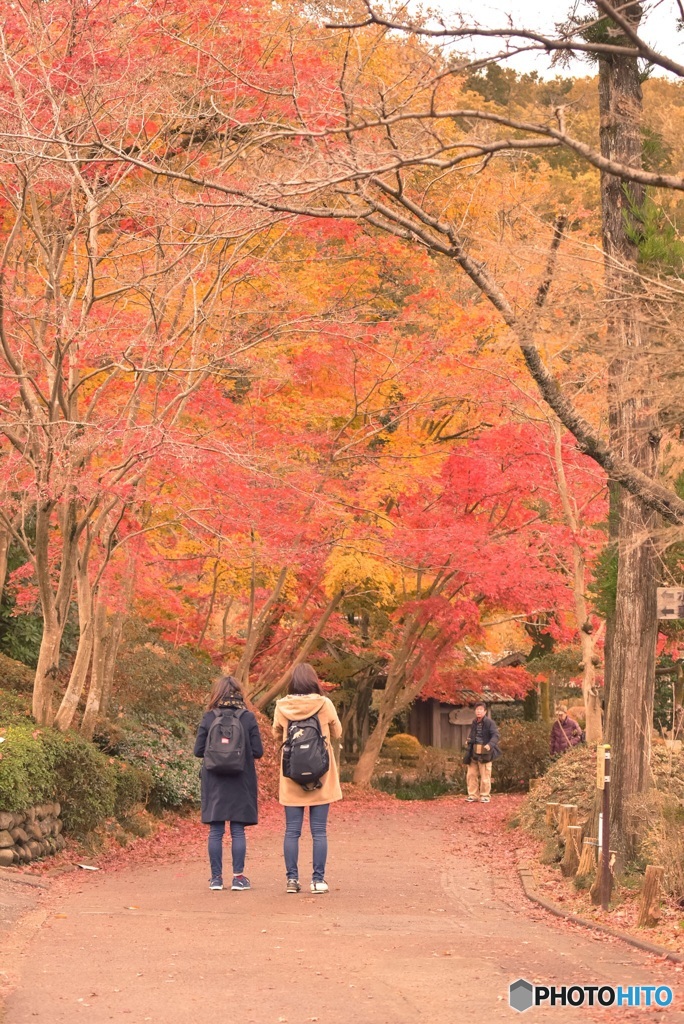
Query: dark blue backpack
x=225 y=752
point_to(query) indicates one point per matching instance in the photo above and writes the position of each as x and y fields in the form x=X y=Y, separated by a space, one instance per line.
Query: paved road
x=416 y=928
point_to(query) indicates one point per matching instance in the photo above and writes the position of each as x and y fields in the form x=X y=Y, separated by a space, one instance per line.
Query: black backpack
x=306 y=758
x=225 y=753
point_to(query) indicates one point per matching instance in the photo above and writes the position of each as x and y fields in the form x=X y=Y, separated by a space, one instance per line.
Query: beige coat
x=294 y=708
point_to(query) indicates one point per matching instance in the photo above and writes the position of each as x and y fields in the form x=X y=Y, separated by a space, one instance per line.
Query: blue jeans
x=238 y=847
x=318 y=820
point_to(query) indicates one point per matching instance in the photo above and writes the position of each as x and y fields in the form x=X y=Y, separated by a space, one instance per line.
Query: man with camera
x=482 y=749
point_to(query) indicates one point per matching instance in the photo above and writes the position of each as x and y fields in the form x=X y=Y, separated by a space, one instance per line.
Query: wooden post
x=567 y=815
x=587 y=863
x=571 y=857
x=552 y=814
x=649 y=914
x=596 y=891
x=606 y=875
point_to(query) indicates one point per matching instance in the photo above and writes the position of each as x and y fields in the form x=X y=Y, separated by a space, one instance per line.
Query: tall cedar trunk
x=634 y=437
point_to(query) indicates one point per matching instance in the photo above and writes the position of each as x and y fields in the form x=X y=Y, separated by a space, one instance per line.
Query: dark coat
x=230 y=797
x=565 y=735
x=490 y=735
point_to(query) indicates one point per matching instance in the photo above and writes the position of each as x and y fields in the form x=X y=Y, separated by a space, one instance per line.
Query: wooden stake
x=552 y=814
x=649 y=914
x=587 y=863
x=567 y=815
x=571 y=857
x=596 y=890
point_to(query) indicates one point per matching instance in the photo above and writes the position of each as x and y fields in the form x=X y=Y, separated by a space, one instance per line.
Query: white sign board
x=670 y=603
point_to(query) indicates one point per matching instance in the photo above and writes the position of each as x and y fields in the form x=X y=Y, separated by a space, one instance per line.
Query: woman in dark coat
x=231 y=798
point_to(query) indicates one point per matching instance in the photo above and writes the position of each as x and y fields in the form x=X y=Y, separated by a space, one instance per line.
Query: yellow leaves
x=357 y=571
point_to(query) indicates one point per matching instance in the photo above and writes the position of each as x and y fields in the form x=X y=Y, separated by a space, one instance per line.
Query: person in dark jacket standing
x=482 y=749
x=231 y=798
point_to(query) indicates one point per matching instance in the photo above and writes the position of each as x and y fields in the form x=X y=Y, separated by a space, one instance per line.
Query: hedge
x=41 y=764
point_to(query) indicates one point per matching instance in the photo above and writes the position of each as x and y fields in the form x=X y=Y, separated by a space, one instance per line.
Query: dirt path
x=417 y=927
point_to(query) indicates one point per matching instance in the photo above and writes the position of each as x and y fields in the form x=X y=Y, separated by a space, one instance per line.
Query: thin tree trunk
x=635 y=437
x=363 y=771
x=79 y=672
x=592 y=704
x=54 y=606
x=101 y=640
x=265 y=698
x=5 y=539
x=257 y=630
x=111 y=652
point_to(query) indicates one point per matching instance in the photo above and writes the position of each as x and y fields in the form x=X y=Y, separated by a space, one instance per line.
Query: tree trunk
x=111 y=651
x=371 y=751
x=102 y=636
x=5 y=539
x=54 y=606
x=273 y=691
x=592 y=704
x=79 y=672
x=257 y=631
x=634 y=437
x=46 y=669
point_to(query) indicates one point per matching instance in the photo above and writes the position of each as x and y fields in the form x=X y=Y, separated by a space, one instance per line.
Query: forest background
x=240 y=432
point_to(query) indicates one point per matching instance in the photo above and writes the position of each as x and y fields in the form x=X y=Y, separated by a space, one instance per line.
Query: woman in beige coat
x=305 y=699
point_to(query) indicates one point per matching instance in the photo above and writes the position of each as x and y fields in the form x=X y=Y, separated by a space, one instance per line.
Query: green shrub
x=524 y=755
x=15 y=676
x=412 y=788
x=85 y=781
x=403 y=747
x=42 y=764
x=26 y=769
x=15 y=707
x=425 y=790
x=133 y=787
x=173 y=769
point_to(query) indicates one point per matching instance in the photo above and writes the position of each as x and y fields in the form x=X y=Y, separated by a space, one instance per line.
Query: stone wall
x=30 y=835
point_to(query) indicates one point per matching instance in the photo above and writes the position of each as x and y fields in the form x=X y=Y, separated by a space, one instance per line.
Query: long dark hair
x=225 y=688
x=304 y=680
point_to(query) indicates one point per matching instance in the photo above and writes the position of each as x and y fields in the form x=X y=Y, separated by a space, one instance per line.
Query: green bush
x=524 y=755
x=14 y=707
x=173 y=770
x=42 y=764
x=85 y=781
x=26 y=769
x=133 y=787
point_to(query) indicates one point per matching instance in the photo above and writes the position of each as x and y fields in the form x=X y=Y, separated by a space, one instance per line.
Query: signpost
x=603 y=782
x=670 y=603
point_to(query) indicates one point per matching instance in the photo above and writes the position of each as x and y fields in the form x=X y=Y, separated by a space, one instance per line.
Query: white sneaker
x=484 y=799
x=471 y=799
x=319 y=887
